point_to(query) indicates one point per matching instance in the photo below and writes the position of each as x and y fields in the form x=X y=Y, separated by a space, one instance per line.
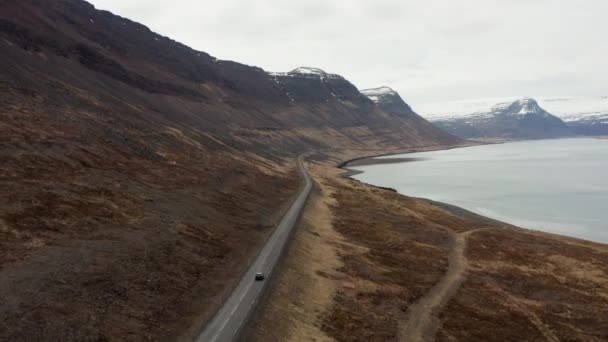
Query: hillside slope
x=140 y=175
x=391 y=102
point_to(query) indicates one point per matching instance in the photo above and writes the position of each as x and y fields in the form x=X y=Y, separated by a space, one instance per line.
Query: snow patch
x=378 y=94
x=378 y=91
x=289 y=96
x=528 y=106
x=572 y=109
x=568 y=108
x=306 y=72
x=577 y=110
x=462 y=108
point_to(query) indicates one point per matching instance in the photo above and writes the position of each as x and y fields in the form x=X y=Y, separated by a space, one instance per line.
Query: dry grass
x=300 y=294
x=100 y=242
x=519 y=285
x=370 y=288
x=553 y=287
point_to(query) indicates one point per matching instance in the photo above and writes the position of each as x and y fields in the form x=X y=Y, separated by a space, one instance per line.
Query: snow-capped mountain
x=584 y=115
x=379 y=94
x=519 y=119
x=306 y=84
x=389 y=100
x=306 y=72
x=392 y=104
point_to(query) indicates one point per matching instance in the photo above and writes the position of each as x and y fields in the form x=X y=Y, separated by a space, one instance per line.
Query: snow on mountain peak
x=377 y=94
x=379 y=91
x=528 y=106
x=521 y=107
x=307 y=72
x=568 y=108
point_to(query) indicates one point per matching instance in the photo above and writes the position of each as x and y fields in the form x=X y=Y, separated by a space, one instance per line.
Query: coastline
x=371 y=160
x=367 y=261
x=454 y=209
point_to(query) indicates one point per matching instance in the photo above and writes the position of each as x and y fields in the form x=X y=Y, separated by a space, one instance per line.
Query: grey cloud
x=427 y=50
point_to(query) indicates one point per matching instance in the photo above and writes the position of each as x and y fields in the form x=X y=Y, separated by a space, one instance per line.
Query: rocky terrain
x=521 y=119
x=139 y=176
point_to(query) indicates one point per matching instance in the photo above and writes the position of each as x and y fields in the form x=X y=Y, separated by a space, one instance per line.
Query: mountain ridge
x=141 y=174
x=586 y=115
x=520 y=119
x=390 y=101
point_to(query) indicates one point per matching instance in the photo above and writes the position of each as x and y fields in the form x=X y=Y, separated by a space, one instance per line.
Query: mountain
x=391 y=102
x=140 y=175
x=521 y=119
x=585 y=115
x=306 y=84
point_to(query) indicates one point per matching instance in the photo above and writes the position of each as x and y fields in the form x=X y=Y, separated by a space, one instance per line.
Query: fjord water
x=558 y=186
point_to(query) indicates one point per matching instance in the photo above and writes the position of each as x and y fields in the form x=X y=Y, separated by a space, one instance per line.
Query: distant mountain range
x=585 y=115
x=521 y=118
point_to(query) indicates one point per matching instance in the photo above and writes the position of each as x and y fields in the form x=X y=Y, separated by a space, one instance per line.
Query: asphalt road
x=237 y=310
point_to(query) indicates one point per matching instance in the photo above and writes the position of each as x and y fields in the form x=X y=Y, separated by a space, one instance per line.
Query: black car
x=259 y=276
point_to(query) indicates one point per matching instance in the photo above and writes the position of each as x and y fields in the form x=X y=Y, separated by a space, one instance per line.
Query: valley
x=369 y=264
x=142 y=179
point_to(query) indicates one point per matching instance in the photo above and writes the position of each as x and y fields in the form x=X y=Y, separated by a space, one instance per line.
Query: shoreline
x=369 y=160
x=344 y=165
x=345 y=265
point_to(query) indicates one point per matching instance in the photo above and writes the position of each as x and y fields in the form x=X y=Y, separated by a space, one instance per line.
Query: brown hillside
x=140 y=175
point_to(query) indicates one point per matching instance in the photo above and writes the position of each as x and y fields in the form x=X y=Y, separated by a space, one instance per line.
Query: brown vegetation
x=531 y=286
x=111 y=248
x=510 y=284
x=139 y=176
x=303 y=290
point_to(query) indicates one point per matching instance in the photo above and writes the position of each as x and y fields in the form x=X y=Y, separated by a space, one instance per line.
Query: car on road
x=259 y=276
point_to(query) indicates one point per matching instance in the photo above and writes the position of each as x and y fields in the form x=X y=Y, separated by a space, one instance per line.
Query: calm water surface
x=559 y=186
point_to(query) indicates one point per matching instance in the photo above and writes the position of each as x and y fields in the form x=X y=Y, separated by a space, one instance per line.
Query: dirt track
x=422 y=321
x=395 y=257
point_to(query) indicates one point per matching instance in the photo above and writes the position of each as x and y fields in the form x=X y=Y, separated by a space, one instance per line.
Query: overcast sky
x=431 y=50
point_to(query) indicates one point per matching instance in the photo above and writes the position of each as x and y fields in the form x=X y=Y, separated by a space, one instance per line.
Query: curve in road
x=229 y=321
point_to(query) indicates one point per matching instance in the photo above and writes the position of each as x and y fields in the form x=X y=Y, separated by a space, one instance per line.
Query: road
x=229 y=321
